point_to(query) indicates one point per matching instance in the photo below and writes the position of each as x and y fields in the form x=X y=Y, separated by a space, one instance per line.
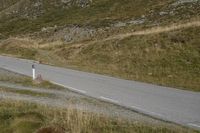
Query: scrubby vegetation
x=22 y=117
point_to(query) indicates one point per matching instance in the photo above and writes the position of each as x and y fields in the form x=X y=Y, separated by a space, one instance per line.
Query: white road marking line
x=71 y=88
x=109 y=99
x=148 y=112
x=193 y=125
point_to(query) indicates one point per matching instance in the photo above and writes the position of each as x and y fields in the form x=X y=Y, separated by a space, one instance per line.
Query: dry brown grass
x=23 y=117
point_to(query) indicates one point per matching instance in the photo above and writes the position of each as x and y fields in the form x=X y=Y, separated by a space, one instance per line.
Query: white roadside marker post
x=33 y=72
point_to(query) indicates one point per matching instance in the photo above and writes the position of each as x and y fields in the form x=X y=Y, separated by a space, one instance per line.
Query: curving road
x=182 y=107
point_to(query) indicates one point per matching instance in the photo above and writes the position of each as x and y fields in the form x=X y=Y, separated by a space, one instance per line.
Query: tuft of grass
x=24 y=126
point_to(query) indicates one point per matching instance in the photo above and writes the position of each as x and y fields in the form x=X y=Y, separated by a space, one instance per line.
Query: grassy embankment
x=22 y=117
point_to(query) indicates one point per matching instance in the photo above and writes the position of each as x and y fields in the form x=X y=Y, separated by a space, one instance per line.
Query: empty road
x=182 y=107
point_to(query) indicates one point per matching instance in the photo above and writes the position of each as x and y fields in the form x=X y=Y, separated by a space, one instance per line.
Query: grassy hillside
x=166 y=56
x=4 y=4
x=96 y=14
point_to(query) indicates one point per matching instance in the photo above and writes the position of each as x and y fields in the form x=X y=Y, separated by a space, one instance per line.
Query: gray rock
x=163 y=13
x=79 y=3
x=137 y=21
x=73 y=34
x=180 y=2
x=120 y=24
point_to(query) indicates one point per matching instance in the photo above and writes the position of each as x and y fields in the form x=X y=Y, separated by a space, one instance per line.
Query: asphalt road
x=182 y=107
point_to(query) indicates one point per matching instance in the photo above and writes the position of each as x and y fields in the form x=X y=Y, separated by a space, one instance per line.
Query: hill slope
x=151 y=41
x=22 y=16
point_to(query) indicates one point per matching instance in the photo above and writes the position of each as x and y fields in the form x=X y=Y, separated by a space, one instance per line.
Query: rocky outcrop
x=34 y=8
x=180 y=2
x=67 y=34
x=79 y=3
x=24 y=9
